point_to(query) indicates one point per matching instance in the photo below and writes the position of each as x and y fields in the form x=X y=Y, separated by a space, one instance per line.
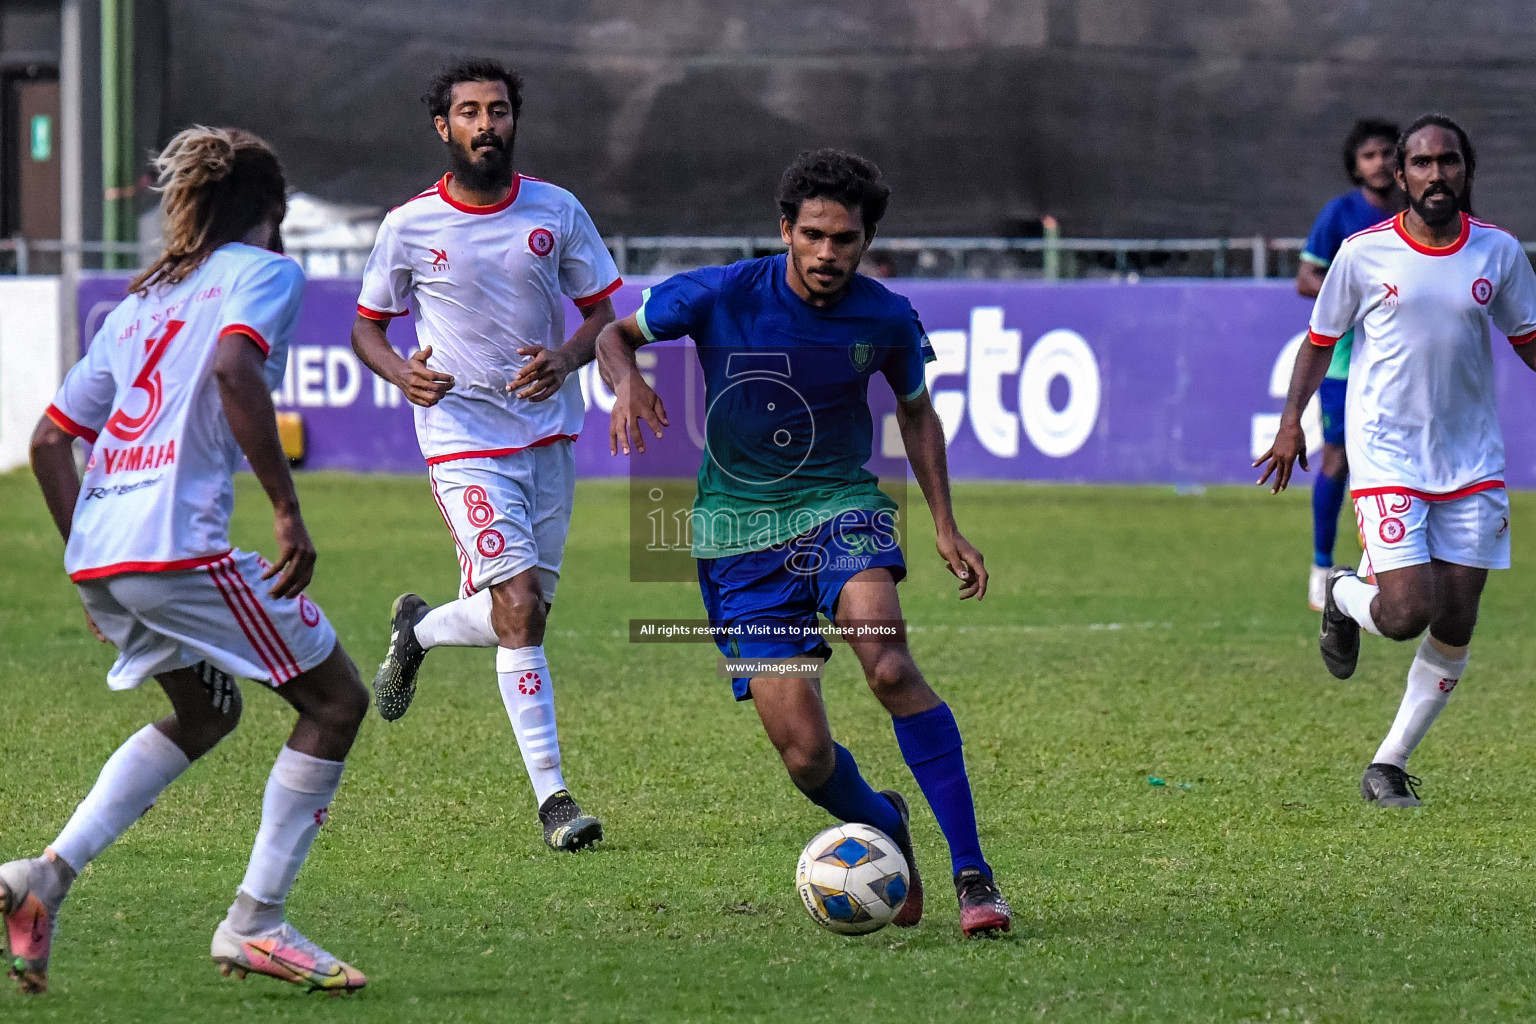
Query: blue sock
x=847 y=797
x=930 y=742
x=1327 y=499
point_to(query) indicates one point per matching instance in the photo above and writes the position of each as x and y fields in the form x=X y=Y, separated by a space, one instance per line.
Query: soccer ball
x=852 y=879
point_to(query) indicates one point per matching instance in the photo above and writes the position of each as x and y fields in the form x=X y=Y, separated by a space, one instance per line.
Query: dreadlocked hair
x=215 y=184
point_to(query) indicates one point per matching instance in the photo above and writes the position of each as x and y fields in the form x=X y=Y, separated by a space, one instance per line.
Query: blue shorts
x=780 y=591
x=1331 y=398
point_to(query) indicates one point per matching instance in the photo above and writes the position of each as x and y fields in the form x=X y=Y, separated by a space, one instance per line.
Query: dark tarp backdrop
x=1119 y=117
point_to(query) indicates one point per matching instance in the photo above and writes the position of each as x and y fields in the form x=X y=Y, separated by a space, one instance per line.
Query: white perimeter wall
x=30 y=360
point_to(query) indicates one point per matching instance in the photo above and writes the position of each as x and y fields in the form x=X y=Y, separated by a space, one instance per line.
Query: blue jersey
x=788 y=429
x=1343 y=216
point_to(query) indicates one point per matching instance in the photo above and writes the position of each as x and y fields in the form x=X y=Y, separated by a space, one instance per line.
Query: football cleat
x=286 y=955
x=565 y=827
x=1317 y=587
x=1339 y=637
x=911 y=911
x=29 y=927
x=394 y=685
x=983 y=910
x=1387 y=785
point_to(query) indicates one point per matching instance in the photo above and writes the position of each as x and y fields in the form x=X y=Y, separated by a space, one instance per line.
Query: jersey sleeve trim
x=249 y=332
x=1322 y=340
x=378 y=314
x=596 y=297
x=645 y=328
x=920 y=389
x=1460 y=492
x=492 y=453
x=120 y=567
x=68 y=425
x=1522 y=339
x=1314 y=259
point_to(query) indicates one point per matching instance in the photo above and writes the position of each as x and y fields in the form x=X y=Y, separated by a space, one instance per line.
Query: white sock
x=1431 y=678
x=129 y=783
x=296 y=804
x=523 y=675
x=1354 y=596
x=462 y=623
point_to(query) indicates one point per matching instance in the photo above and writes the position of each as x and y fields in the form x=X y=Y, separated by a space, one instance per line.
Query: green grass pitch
x=1129 y=633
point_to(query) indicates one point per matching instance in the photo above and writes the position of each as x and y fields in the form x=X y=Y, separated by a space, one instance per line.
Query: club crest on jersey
x=1482 y=291
x=309 y=612
x=490 y=543
x=541 y=242
x=439 y=259
x=1392 y=530
x=861 y=353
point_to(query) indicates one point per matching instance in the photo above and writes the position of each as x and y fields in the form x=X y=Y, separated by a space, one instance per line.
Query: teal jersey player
x=788 y=431
x=790 y=526
x=1370 y=158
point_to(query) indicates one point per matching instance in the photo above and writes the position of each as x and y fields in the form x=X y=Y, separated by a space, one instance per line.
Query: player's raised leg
x=796 y=723
x=416 y=627
x=929 y=739
x=205 y=708
x=255 y=936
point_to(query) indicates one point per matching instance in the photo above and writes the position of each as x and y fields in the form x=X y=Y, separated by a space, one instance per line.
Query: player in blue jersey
x=1370 y=160
x=789 y=523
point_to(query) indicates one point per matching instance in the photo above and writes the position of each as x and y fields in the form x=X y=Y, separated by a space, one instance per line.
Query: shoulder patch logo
x=1482 y=291
x=541 y=242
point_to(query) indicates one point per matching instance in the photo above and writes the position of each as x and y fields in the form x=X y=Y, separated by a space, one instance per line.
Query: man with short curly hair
x=788 y=521
x=1370 y=160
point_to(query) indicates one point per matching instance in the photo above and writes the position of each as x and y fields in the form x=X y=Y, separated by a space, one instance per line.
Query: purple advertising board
x=1152 y=382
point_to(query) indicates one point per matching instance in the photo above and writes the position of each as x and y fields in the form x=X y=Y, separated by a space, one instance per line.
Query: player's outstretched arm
x=1309 y=279
x=634 y=400
x=53 y=463
x=238 y=368
x=547 y=370
x=1290 y=441
x=923 y=436
x=422 y=386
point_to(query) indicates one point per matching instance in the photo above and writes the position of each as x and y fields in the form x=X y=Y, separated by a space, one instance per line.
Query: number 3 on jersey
x=131 y=428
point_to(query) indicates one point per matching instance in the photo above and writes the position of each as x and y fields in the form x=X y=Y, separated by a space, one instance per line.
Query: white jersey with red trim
x=485 y=281
x=1421 y=416
x=158 y=489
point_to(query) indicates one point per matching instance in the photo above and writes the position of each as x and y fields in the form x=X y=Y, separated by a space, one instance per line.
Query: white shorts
x=219 y=613
x=1399 y=529
x=508 y=514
